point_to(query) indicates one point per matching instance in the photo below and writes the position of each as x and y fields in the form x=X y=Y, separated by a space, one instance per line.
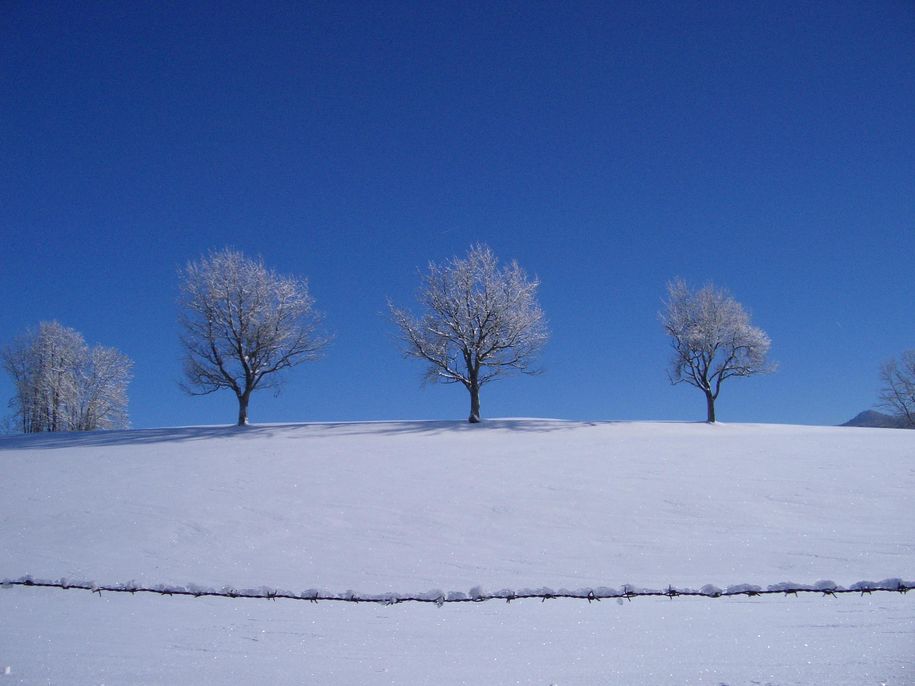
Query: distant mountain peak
x=874 y=419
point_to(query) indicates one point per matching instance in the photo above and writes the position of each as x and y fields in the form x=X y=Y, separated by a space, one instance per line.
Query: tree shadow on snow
x=434 y=426
x=88 y=439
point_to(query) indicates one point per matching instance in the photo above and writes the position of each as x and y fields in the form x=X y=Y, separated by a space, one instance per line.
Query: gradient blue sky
x=768 y=147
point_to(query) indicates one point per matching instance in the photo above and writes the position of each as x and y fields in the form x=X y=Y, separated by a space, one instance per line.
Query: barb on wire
x=476 y=594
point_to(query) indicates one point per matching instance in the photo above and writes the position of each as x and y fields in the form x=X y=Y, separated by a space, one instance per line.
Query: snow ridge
x=476 y=594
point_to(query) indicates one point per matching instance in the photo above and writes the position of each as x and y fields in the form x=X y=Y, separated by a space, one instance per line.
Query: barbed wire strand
x=824 y=589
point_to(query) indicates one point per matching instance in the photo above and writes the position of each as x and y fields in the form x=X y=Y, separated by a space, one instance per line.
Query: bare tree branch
x=63 y=385
x=480 y=322
x=242 y=324
x=712 y=339
x=898 y=390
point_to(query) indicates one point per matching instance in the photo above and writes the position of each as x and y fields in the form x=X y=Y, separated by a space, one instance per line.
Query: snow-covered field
x=410 y=507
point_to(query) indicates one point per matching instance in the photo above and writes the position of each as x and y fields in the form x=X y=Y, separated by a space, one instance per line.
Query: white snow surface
x=440 y=508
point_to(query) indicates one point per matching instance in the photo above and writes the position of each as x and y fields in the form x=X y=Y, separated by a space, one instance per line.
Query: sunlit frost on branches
x=63 y=385
x=479 y=322
x=242 y=324
x=712 y=338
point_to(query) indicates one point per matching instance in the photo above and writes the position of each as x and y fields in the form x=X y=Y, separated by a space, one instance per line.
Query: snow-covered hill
x=411 y=506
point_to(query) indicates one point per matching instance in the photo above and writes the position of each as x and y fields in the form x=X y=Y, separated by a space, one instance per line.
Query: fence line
x=476 y=595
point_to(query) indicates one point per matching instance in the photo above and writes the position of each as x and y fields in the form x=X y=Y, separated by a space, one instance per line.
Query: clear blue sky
x=768 y=147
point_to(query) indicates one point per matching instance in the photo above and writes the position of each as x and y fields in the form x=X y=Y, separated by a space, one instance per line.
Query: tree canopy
x=478 y=322
x=242 y=324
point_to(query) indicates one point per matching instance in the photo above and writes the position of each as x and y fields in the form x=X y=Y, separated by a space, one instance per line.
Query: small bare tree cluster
x=242 y=324
x=479 y=322
x=897 y=393
x=712 y=338
x=63 y=385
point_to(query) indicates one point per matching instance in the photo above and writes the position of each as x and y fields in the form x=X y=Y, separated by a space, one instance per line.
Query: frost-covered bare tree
x=242 y=324
x=479 y=322
x=897 y=392
x=42 y=364
x=712 y=338
x=101 y=398
x=63 y=385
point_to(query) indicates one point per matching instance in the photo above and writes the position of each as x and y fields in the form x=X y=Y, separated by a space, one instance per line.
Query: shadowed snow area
x=408 y=507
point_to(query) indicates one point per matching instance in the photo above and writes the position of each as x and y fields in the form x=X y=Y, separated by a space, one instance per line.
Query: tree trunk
x=474 y=389
x=710 y=407
x=243 y=409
